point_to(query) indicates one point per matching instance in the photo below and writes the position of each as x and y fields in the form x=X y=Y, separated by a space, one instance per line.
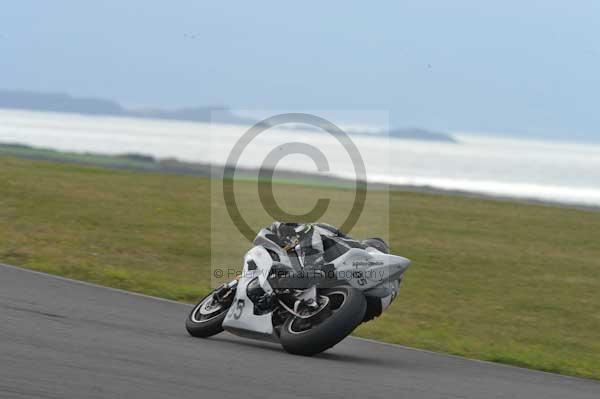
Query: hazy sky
x=504 y=67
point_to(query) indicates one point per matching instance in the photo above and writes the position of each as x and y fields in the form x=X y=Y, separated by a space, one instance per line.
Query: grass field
x=495 y=280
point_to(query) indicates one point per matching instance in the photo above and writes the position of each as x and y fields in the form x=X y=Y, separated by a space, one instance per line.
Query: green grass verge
x=494 y=280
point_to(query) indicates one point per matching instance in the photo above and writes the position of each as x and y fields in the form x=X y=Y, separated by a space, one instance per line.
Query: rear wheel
x=308 y=337
x=377 y=243
x=206 y=319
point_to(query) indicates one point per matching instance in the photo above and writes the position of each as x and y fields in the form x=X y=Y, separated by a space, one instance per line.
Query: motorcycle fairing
x=240 y=318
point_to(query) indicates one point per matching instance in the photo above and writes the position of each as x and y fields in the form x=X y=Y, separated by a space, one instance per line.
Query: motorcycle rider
x=311 y=246
x=317 y=243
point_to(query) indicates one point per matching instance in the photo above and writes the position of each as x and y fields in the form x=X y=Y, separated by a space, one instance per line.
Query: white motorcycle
x=306 y=310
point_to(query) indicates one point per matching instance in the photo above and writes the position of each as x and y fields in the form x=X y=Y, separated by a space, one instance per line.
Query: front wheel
x=346 y=310
x=206 y=319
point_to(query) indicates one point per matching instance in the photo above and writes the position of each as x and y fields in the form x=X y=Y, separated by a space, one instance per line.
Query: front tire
x=347 y=308
x=206 y=318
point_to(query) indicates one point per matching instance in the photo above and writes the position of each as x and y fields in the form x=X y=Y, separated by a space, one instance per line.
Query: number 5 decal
x=239 y=307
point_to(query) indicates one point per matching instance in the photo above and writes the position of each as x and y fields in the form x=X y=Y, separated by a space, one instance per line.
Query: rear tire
x=204 y=325
x=331 y=330
x=377 y=243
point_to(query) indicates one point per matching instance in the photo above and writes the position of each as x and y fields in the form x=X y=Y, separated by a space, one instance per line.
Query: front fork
x=225 y=291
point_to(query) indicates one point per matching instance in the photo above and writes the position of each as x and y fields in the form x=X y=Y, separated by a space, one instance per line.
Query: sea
x=551 y=171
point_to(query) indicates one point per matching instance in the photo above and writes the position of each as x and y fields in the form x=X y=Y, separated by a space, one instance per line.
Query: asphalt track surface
x=66 y=339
